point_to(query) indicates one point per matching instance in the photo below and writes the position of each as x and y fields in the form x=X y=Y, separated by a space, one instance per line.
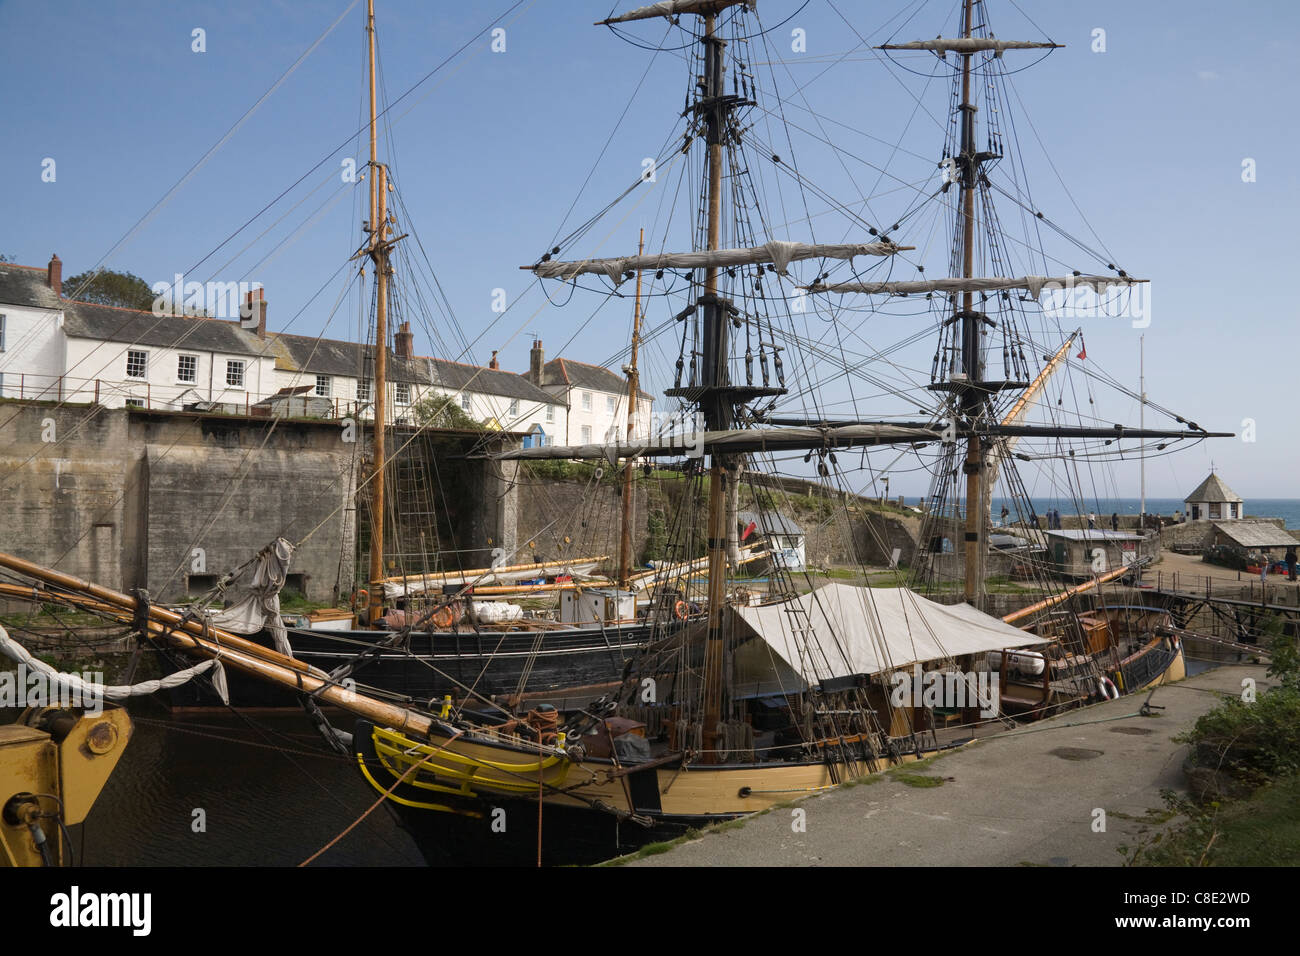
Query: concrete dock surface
x=1033 y=796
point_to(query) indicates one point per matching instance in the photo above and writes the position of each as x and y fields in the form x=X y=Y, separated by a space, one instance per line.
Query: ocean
x=1288 y=508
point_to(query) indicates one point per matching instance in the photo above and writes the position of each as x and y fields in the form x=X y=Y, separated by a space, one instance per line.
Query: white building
x=595 y=399
x=31 y=320
x=1213 y=500
x=57 y=349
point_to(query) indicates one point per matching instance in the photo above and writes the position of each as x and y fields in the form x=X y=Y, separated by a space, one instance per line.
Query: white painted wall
x=33 y=352
x=91 y=360
x=606 y=416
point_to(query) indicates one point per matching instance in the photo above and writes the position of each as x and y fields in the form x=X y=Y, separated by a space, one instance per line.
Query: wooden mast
x=715 y=371
x=972 y=399
x=378 y=252
x=633 y=388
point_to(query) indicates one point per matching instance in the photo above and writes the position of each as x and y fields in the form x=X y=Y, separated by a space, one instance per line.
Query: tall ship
x=731 y=694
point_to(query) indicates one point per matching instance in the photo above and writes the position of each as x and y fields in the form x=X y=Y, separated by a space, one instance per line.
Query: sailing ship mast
x=377 y=249
x=633 y=387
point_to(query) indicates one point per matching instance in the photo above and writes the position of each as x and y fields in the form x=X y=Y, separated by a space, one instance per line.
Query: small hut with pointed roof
x=1213 y=500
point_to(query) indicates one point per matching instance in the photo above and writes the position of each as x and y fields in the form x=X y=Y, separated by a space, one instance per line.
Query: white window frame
x=400 y=389
x=130 y=355
x=231 y=365
x=466 y=403
x=363 y=389
x=324 y=386
x=611 y=405
x=2 y=331
x=550 y=414
x=586 y=401
x=586 y=434
x=514 y=407
x=181 y=379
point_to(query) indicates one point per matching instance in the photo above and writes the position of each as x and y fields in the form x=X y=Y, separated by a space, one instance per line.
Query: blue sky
x=490 y=154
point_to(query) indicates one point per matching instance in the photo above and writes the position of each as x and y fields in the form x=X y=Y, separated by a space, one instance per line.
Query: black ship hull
x=432 y=665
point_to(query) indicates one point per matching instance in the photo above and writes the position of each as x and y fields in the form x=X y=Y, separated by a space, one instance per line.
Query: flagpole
x=1142 y=410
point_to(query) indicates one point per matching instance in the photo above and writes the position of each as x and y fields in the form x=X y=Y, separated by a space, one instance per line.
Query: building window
x=135 y=403
x=550 y=413
x=234 y=373
x=586 y=434
x=136 y=363
x=187 y=369
x=464 y=401
x=323 y=386
x=363 y=390
x=514 y=407
x=609 y=404
x=2 y=333
x=402 y=390
x=586 y=401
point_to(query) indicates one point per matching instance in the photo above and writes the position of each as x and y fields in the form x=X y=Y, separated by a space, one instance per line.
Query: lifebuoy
x=681 y=610
x=444 y=616
x=1107 y=688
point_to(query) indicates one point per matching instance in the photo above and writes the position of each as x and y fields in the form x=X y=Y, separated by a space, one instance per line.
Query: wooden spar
x=128 y=605
x=1065 y=595
x=633 y=386
x=481 y=572
x=974 y=466
x=717 y=535
x=1039 y=382
x=378 y=251
x=242 y=655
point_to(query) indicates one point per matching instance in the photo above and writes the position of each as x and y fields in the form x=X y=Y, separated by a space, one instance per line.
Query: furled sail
x=738 y=440
x=965 y=45
x=671 y=8
x=779 y=254
x=1034 y=285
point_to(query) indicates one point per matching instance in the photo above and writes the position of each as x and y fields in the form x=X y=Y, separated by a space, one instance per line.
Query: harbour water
x=219 y=789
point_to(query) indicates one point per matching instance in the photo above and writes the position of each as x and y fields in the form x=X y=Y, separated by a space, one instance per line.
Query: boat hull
x=441 y=663
x=467 y=801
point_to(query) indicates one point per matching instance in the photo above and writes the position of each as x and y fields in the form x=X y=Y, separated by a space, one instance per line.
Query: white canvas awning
x=864 y=631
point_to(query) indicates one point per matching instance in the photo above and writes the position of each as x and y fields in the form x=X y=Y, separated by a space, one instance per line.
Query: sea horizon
x=1285 y=508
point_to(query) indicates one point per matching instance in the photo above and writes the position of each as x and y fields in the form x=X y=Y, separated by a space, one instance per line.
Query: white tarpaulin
x=839 y=630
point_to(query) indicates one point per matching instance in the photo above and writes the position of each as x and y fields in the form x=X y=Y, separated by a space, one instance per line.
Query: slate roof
x=772 y=522
x=82 y=320
x=1213 y=489
x=1094 y=534
x=564 y=371
x=1256 y=534
x=458 y=376
x=313 y=356
x=25 y=286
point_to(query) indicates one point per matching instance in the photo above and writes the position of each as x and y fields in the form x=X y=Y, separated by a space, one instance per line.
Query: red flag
x=1083 y=352
x=749 y=529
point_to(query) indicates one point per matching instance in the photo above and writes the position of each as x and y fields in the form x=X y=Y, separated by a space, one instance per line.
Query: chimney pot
x=493 y=363
x=54 y=274
x=536 y=363
x=404 y=342
x=253 y=314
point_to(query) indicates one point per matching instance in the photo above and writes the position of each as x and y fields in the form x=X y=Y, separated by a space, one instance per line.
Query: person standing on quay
x=1092 y=520
x=1114 y=521
x=1290 y=562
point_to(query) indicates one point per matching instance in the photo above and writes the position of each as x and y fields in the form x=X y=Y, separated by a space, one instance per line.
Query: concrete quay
x=1033 y=796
